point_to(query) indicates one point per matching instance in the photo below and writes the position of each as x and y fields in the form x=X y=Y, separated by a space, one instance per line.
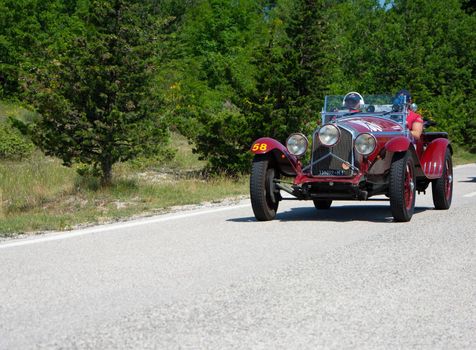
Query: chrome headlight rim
x=297 y=144
x=369 y=144
x=332 y=141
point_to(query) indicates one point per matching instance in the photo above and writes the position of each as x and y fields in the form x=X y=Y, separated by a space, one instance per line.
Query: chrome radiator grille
x=327 y=161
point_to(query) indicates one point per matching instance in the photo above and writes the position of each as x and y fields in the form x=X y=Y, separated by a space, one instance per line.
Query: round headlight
x=365 y=144
x=297 y=144
x=329 y=135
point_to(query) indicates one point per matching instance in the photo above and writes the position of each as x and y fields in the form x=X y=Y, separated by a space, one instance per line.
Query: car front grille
x=328 y=161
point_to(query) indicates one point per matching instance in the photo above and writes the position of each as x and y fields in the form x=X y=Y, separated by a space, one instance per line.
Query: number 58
x=259 y=147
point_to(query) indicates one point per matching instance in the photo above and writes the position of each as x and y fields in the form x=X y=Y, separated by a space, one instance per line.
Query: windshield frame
x=379 y=106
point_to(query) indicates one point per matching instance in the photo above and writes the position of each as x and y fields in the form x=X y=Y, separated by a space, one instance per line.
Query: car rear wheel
x=402 y=187
x=442 y=188
x=322 y=203
x=264 y=194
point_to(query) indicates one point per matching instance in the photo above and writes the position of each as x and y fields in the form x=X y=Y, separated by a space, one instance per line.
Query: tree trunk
x=106 y=172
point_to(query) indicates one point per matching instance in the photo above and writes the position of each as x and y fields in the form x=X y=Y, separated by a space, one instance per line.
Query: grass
x=8 y=109
x=123 y=199
x=462 y=156
x=40 y=194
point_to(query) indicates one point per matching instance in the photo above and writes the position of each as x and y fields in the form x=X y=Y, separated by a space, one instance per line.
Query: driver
x=414 y=120
x=353 y=101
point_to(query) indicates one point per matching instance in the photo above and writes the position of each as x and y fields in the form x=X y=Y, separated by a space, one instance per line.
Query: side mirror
x=414 y=107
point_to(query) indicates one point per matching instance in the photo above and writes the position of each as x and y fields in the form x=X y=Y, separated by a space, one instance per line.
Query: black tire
x=402 y=187
x=442 y=188
x=322 y=203
x=263 y=191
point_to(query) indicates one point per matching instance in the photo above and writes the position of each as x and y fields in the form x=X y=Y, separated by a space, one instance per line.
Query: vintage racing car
x=355 y=154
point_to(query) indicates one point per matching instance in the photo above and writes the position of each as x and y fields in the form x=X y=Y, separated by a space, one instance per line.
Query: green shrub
x=13 y=145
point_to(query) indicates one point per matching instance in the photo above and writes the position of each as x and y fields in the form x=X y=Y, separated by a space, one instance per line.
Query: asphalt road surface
x=214 y=278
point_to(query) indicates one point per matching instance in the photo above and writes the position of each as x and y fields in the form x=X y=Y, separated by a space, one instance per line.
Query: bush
x=13 y=145
x=225 y=140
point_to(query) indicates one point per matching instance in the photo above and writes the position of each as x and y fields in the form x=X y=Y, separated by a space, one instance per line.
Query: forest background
x=102 y=82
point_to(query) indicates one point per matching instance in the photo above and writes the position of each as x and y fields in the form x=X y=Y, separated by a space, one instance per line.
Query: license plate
x=331 y=172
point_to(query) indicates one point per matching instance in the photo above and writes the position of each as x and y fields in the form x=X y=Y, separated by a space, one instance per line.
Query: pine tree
x=293 y=63
x=94 y=95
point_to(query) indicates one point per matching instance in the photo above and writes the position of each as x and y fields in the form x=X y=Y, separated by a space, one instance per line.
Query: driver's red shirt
x=413 y=117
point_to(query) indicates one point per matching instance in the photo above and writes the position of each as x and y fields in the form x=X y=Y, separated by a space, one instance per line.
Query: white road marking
x=472 y=194
x=110 y=227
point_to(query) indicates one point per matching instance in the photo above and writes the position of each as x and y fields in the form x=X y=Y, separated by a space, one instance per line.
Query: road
x=214 y=278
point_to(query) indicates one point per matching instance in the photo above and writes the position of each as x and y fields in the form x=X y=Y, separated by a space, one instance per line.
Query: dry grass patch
x=41 y=194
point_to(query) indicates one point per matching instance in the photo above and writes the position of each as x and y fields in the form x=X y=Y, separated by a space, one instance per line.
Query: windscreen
x=355 y=105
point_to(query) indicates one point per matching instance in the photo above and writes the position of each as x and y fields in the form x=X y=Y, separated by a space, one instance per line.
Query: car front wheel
x=402 y=187
x=442 y=188
x=263 y=191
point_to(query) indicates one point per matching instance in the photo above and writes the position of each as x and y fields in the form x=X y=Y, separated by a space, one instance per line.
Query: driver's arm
x=417 y=129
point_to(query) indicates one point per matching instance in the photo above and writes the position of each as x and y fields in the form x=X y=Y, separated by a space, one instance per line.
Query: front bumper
x=308 y=187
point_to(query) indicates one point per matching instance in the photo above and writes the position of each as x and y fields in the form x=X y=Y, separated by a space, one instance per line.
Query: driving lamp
x=328 y=135
x=297 y=144
x=365 y=144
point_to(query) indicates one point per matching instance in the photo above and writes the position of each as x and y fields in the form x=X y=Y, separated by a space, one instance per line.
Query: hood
x=370 y=124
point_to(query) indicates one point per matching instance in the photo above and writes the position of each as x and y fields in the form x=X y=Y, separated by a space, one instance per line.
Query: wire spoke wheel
x=402 y=189
x=408 y=185
x=442 y=188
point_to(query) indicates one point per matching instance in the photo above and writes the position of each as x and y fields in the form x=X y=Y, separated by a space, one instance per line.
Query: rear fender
x=398 y=144
x=287 y=163
x=433 y=158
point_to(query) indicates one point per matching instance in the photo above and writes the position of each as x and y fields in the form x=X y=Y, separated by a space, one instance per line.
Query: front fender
x=398 y=144
x=286 y=162
x=433 y=158
x=267 y=144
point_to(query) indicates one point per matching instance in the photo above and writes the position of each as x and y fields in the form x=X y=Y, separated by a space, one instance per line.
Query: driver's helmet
x=353 y=100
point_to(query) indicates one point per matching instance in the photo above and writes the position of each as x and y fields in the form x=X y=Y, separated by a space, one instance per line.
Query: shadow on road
x=469 y=179
x=370 y=213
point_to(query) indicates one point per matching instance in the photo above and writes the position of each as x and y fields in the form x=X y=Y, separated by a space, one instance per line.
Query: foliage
x=214 y=70
x=293 y=63
x=94 y=96
x=28 y=28
x=13 y=145
x=426 y=47
x=108 y=77
x=303 y=50
x=440 y=68
x=253 y=72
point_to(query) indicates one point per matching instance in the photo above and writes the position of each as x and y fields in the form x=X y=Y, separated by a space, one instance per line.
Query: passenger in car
x=414 y=120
